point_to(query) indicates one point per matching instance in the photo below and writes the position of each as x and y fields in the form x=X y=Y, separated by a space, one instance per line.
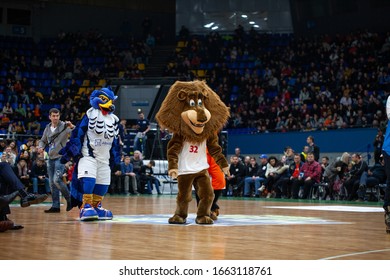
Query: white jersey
x=192 y=158
x=102 y=130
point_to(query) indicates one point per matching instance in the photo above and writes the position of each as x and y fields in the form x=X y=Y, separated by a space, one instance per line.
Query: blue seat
x=233 y=97
x=235 y=89
x=233 y=65
x=47 y=83
x=251 y=65
x=33 y=83
x=210 y=65
x=99 y=60
x=242 y=65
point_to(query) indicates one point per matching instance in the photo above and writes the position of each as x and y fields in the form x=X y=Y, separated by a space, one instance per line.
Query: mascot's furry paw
x=205 y=220
x=213 y=216
x=88 y=213
x=176 y=219
x=103 y=214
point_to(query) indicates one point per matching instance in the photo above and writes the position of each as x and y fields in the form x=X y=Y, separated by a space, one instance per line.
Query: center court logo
x=225 y=220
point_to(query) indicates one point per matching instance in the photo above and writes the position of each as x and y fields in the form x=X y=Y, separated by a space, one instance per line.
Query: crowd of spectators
x=306 y=175
x=271 y=82
x=61 y=72
x=279 y=82
x=130 y=176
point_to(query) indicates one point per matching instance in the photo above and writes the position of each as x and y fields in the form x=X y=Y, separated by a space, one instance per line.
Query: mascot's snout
x=196 y=119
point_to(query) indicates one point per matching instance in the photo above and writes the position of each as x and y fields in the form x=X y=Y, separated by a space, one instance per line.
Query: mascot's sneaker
x=103 y=214
x=88 y=213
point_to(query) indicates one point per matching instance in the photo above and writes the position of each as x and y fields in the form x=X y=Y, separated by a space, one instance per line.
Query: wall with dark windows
x=311 y=17
x=37 y=19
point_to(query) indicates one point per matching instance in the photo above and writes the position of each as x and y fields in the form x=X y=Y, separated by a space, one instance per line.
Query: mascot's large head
x=193 y=110
x=103 y=100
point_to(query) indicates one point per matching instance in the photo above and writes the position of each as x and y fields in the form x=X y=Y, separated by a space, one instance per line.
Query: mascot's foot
x=176 y=219
x=205 y=220
x=103 y=214
x=88 y=213
x=213 y=216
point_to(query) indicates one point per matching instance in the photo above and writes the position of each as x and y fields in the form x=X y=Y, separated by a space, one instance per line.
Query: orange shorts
x=217 y=177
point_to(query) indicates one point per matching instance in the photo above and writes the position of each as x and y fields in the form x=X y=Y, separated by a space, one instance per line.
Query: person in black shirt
x=237 y=173
x=146 y=177
x=313 y=148
x=39 y=175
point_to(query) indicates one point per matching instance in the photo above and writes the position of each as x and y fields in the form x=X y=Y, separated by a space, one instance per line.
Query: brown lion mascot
x=195 y=114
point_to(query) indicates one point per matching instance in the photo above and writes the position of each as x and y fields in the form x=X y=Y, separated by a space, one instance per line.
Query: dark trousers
x=214 y=206
x=352 y=185
x=9 y=178
x=296 y=184
x=9 y=183
x=307 y=186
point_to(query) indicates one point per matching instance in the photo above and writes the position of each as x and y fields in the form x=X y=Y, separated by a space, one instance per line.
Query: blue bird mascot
x=94 y=147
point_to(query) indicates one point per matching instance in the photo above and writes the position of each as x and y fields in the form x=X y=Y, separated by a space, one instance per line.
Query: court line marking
x=356 y=254
x=340 y=208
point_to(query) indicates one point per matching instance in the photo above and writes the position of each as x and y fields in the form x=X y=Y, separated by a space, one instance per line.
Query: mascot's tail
x=76 y=189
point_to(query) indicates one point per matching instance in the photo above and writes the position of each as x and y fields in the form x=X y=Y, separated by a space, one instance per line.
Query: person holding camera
x=54 y=138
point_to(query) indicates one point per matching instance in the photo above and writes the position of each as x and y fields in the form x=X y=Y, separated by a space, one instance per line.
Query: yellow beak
x=106 y=106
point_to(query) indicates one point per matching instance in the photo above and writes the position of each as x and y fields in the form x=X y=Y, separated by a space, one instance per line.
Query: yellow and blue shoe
x=103 y=214
x=88 y=213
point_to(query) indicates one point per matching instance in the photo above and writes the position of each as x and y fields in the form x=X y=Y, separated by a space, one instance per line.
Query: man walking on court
x=54 y=138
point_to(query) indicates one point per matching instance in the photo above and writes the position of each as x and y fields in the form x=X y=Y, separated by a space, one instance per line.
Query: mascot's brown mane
x=169 y=115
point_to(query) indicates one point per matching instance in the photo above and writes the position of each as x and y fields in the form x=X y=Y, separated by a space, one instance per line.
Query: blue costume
x=386 y=157
x=94 y=146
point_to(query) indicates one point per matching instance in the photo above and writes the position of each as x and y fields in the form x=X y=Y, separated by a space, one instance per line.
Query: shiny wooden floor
x=282 y=231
